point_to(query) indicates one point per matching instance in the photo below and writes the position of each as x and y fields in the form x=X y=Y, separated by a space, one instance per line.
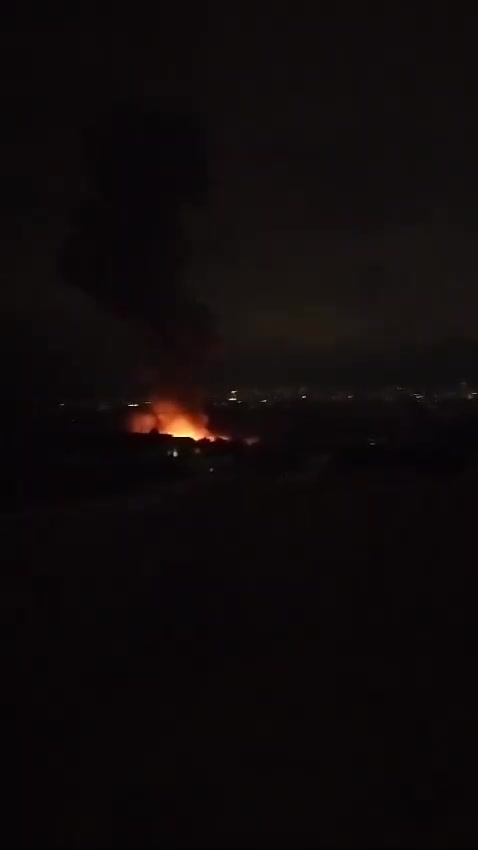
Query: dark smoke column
x=145 y=166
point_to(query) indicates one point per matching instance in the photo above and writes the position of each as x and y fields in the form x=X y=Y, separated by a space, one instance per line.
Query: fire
x=169 y=417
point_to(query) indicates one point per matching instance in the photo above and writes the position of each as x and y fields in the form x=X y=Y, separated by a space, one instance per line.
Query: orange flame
x=169 y=417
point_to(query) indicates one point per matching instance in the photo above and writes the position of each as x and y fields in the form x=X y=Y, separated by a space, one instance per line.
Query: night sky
x=338 y=238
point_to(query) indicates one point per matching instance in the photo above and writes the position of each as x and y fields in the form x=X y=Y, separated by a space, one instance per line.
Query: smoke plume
x=145 y=166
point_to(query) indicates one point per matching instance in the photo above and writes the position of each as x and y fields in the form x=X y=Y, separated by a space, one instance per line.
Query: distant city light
x=173 y=453
x=233 y=392
x=303 y=396
x=133 y=404
x=232 y=398
x=211 y=469
x=350 y=396
x=263 y=401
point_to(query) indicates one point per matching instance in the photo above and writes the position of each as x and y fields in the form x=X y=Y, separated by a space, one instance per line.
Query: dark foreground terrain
x=256 y=663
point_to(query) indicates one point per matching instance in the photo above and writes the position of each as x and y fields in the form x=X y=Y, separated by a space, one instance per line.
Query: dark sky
x=339 y=237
